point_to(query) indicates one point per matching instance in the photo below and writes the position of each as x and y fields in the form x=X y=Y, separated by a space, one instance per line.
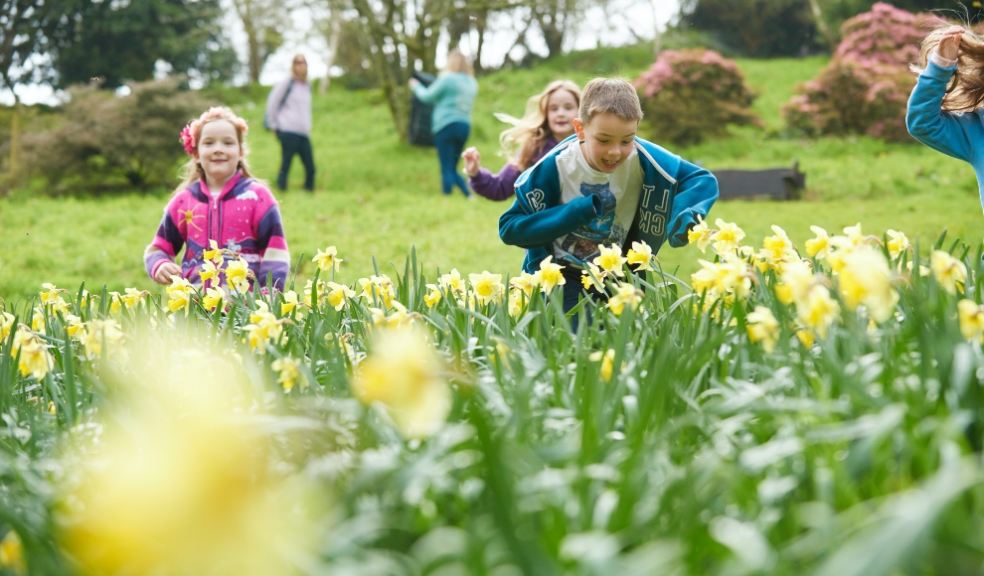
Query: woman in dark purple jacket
x=547 y=122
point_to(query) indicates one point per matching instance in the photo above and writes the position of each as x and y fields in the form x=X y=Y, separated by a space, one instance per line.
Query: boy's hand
x=472 y=161
x=165 y=271
x=949 y=48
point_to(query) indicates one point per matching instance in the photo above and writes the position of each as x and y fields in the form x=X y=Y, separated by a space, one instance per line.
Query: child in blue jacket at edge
x=604 y=185
x=951 y=122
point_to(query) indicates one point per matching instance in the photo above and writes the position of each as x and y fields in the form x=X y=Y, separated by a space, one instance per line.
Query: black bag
x=419 y=131
x=266 y=118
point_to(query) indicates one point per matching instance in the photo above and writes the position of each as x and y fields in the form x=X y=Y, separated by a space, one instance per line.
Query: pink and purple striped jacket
x=244 y=219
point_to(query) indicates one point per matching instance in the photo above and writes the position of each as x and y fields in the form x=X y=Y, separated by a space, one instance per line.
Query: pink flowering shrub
x=690 y=95
x=864 y=88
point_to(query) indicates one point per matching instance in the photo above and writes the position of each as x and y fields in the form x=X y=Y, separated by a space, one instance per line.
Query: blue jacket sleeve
x=429 y=94
x=928 y=123
x=520 y=226
x=697 y=190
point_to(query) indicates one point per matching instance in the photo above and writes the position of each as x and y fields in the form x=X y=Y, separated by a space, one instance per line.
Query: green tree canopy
x=119 y=41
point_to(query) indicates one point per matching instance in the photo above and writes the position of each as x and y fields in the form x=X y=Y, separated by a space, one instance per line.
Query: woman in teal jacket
x=452 y=95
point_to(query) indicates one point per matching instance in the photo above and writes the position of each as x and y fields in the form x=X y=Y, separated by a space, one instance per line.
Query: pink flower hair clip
x=187 y=140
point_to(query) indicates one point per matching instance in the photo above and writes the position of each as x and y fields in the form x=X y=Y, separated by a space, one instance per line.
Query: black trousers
x=291 y=144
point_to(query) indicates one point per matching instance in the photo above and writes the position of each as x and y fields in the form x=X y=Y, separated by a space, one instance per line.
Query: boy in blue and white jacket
x=950 y=121
x=604 y=185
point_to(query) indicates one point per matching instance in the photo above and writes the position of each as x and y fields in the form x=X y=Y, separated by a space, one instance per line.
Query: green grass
x=376 y=197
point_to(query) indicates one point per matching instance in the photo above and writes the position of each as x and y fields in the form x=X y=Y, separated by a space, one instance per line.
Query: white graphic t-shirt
x=619 y=193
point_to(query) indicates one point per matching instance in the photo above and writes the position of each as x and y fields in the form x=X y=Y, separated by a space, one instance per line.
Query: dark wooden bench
x=772 y=183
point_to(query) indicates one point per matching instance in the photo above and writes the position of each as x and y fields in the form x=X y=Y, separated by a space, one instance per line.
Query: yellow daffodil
x=950 y=273
x=133 y=297
x=6 y=325
x=727 y=237
x=452 y=283
x=607 y=360
x=433 y=295
x=264 y=327
x=288 y=372
x=763 y=328
x=98 y=333
x=209 y=273
x=795 y=281
x=971 y=316
x=38 y=323
x=214 y=298
x=625 y=295
x=404 y=374
x=548 y=277
x=819 y=246
x=12 y=553
x=310 y=289
x=897 y=243
x=592 y=278
x=378 y=289
x=487 y=286
x=289 y=303
x=517 y=298
x=700 y=235
x=805 y=337
x=640 y=256
x=51 y=297
x=338 y=295
x=327 y=259
x=35 y=360
x=777 y=249
x=610 y=259
x=525 y=282
x=866 y=279
x=213 y=254
x=818 y=310
x=178 y=294
x=237 y=274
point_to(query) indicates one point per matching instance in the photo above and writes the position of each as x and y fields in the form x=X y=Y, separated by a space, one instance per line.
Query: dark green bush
x=105 y=142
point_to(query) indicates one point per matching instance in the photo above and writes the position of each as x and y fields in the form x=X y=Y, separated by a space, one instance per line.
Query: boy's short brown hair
x=615 y=95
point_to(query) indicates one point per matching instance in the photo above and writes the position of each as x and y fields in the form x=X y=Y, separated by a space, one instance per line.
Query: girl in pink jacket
x=218 y=201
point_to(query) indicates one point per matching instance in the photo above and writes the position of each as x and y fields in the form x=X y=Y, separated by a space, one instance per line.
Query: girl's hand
x=413 y=82
x=165 y=271
x=949 y=48
x=472 y=161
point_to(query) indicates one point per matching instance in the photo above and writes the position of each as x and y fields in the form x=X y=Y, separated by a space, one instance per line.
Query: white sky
x=644 y=17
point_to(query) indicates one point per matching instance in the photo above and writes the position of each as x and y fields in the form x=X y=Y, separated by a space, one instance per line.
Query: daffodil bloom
x=592 y=277
x=452 y=282
x=12 y=553
x=214 y=297
x=404 y=374
x=237 y=275
x=607 y=363
x=796 y=279
x=433 y=296
x=763 y=328
x=263 y=328
x=133 y=297
x=208 y=272
x=288 y=372
x=35 y=360
x=213 y=254
x=971 y=316
x=73 y=326
x=378 y=289
x=897 y=243
x=777 y=249
x=6 y=324
x=487 y=286
x=805 y=337
x=700 y=235
x=950 y=273
x=727 y=237
x=526 y=282
x=640 y=256
x=289 y=303
x=819 y=246
x=516 y=302
x=309 y=292
x=866 y=279
x=98 y=333
x=51 y=297
x=178 y=294
x=338 y=295
x=38 y=323
x=548 y=277
x=610 y=259
x=818 y=310
x=327 y=259
x=625 y=295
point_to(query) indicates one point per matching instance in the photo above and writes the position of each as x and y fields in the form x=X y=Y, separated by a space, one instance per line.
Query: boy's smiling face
x=606 y=140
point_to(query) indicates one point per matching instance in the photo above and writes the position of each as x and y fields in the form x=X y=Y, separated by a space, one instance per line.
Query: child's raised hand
x=165 y=271
x=472 y=161
x=949 y=47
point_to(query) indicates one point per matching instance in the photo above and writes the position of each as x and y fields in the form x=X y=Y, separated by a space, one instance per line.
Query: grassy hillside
x=376 y=197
